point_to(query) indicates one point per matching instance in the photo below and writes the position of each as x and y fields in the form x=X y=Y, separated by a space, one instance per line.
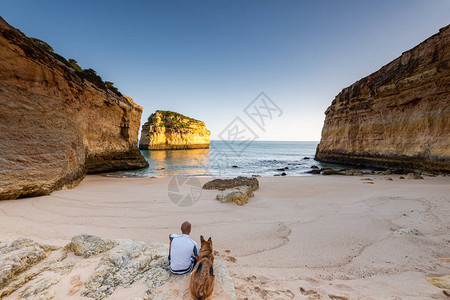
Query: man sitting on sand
x=183 y=251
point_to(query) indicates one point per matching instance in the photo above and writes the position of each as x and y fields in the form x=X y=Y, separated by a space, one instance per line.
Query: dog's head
x=206 y=245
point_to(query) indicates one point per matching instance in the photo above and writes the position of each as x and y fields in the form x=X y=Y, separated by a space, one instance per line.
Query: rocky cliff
x=397 y=117
x=167 y=130
x=57 y=121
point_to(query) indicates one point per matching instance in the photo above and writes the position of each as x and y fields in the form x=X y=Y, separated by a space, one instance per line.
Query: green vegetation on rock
x=177 y=120
x=88 y=74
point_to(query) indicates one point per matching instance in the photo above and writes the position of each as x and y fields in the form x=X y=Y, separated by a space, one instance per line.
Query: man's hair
x=186 y=227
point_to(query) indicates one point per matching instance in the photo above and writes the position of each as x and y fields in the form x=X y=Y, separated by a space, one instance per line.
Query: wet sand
x=314 y=237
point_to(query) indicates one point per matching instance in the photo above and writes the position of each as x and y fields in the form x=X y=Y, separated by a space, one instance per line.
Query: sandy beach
x=312 y=237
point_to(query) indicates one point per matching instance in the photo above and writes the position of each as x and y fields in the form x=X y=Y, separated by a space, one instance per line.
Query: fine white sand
x=316 y=237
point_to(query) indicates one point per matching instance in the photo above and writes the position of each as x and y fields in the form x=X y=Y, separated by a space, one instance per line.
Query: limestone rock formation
x=122 y=269
x=167 y=130
x=223 y=184
x=57 y=121
x=238 y=195
x=397 y=117
x=442 y=282
x=88 y=245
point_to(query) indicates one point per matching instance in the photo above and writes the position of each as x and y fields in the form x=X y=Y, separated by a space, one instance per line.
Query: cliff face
x=166 y=130
x=397 y=117
x=56 y=126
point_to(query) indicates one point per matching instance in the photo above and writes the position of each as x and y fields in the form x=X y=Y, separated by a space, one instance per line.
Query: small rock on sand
x=414 y=176
x=411 y=231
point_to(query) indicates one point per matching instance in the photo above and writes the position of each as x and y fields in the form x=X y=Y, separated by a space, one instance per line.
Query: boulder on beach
x=313 y=171
x=238 y=195
x=329 y=171
x=121 y=269
x=223 y=184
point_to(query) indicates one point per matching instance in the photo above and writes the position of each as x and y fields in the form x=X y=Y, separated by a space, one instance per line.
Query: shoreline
x=378 y=173
x=298 y=237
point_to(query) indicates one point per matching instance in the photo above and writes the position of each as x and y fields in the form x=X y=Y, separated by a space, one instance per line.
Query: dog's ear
x=209 y=240
x=202 y=239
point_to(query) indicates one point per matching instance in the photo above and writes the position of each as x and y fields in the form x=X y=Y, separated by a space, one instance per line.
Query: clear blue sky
x=209 y=59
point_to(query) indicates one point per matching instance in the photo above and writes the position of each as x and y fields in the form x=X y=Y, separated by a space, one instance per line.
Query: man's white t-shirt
x=181 y=251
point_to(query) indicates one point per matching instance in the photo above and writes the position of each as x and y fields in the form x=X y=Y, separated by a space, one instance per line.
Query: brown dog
x=202 y=279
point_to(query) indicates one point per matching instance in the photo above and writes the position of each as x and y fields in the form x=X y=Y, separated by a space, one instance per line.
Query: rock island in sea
x=168 y=130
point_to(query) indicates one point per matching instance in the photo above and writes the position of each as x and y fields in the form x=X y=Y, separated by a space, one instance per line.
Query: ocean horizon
x=230 y=159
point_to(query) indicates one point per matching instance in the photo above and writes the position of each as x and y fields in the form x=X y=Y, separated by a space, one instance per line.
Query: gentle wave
x=264 y=158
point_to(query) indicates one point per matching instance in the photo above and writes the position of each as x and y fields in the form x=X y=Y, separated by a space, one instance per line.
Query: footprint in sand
x=77 y=284
x=231 y=259
x=262 y=292
x=290 y=294
x=313 y=295
x=75 y=279
x=75 y=289
x=334 y=297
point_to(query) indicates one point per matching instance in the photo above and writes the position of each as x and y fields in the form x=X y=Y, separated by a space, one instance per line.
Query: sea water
x=264 y=158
